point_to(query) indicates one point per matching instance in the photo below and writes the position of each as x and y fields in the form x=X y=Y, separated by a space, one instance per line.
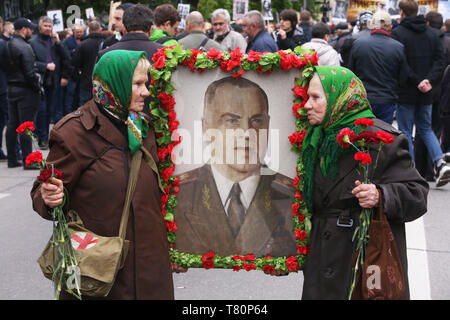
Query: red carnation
x=296 y=61
x=296 y=107
x=368 y=137
x=46 y=174
x=163 y=152
x=301 y=92
x=24 y=126
x=365 y=158
x=345 y=137
x=167 y=173
x=285 y=63
x=292 y=263
x=298 y=137
x=364 y=122
x=160 y=60
x=33 y=157
x=385 y=137
x=167 y=101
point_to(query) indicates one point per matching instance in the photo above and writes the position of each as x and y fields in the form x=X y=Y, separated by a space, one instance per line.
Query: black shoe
x=3 y=157
x=31 y=167
x=14 y=164
x=443 y=175
x=43 y=145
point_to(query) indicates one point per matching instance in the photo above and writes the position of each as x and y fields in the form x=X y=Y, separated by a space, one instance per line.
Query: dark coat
x=96 y=190
x=263 y=42
x=293 y=39
x=424 y=54
x=3 y=80
x=380 y=63
x=85 y=57
x=327 y=269
x=135 y=41
x=203 y=224
x=60 y=57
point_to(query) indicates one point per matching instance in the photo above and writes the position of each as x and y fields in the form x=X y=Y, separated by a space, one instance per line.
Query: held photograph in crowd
x=163 y=150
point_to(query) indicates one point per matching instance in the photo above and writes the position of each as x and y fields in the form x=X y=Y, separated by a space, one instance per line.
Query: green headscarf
x=112 y=88
x=347 y=101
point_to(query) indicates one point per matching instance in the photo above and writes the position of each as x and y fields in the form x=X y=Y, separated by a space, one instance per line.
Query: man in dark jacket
x=3 y=94
x=84 y=58
x=380 y=63
x=117 y=25
x=305 y=25
x=23 y=89
x=137 y=21
x=254 y=29
x=51 y=62
x=424 y=54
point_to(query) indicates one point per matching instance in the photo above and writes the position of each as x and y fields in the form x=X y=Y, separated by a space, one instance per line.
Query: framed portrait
x=57 y=19
x=229 y=129
x=240 y=8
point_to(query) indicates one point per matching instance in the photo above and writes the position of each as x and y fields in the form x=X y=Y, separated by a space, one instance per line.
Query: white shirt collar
x=224 y=185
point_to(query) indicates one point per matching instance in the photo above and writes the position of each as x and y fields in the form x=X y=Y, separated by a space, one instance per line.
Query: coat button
x=328 y=273
x=326 y=235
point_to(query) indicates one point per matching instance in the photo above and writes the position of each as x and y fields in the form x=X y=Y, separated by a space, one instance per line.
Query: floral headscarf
x=347 y=101
x=112 y=88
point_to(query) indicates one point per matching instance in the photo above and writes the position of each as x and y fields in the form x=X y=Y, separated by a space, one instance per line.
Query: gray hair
x=221 y=12
x=254 y=16
x=45 y=19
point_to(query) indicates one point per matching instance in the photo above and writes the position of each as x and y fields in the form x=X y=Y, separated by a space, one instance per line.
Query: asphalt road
x=23 y=235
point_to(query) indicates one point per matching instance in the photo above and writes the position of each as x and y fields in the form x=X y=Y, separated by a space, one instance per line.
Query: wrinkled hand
x=424 y=86
x=176 y=268
x=367 y=194
x=52 y=193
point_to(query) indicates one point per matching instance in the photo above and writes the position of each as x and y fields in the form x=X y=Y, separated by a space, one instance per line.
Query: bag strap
x=148 y=158
x=132 y=179
x=202 y=45
x=164 y=39
x=380 y=214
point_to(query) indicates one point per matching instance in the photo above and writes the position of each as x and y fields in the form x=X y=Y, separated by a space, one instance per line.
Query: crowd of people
x=404 y=70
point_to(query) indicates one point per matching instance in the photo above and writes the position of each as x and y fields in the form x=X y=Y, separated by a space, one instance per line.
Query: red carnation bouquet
x=65 y=263
x=361 y=143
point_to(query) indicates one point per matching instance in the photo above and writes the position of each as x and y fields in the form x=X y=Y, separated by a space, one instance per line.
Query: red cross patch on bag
x=83 y=240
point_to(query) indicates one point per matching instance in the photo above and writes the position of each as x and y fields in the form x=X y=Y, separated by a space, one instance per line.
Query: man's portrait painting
x=234 y=163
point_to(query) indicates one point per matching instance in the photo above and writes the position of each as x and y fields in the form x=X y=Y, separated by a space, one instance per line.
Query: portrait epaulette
x=283 y=183
x=189 y=176
x=65 y=119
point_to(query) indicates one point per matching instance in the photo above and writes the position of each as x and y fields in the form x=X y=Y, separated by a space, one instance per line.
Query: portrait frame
x=165 y=123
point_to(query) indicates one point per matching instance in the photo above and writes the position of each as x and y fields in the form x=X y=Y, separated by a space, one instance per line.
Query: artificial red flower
x=237 y=258
x=268 y=269
x=285 y=63
x=160 y=61
x=302 y=249
x=295 y=208
x=298 y=137
x=167 y=101
x=238 y=74
x=249 y=266
x=163 y=152
x=167 y=173
x=249 y=257
x=236 y=268
x=365 y=158
x=345 y=137
x=171 y=226
x=368 y=136
x=33 y=157
x=313 y=58
x=24 y=126
x=298 y=195
x=301 y=92
x=385 y=137
x=364 y=122
x=208 y=260
x=268 y=257
x=296 y=181
x=296 y=107
x=292 y=263
x=300 y=235
x=214 y=54
x=253 y=56
x=301 y=218
x=296 y=61
x=46 y=174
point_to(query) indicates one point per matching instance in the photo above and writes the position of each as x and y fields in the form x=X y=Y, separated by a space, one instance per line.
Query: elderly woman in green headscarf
x=333 y=190
x=93 y=147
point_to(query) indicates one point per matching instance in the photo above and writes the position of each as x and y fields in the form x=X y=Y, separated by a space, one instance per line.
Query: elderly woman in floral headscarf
x=93 y=147
x=333 y=190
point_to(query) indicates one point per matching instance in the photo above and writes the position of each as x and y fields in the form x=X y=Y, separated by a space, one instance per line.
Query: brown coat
x=96 y=190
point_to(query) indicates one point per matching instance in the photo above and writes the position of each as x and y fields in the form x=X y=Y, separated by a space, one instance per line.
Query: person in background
x=117 y=25
x=52 y=61
x=380 y=63
x=223 y=34
x=305 y=24
x=165 y=29
x=289 y=35
x=196 y=38
x=3 y=94
x=8 y=30
x=425 y=55
x=319 y=42
x=84 y=58
x=254 y=29
x=23 y=89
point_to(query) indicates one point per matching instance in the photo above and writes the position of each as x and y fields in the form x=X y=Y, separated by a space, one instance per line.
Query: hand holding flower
x=52 y=192
x=367 y=194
